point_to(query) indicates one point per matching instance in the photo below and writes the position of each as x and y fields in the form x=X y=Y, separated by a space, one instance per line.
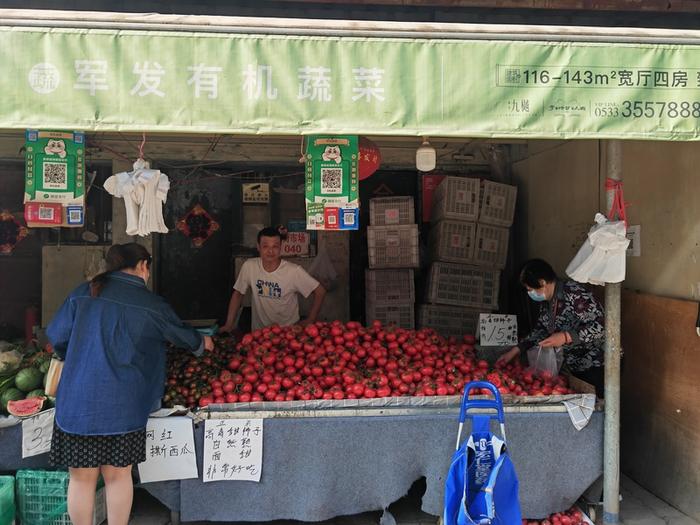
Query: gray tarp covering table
x=318 y=468
x=11 y=452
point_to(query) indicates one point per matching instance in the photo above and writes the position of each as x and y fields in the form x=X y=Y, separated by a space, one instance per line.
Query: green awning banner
x=117 y=80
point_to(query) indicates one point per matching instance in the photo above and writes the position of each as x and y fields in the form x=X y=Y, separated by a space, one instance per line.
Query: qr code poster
x=54 y=175
x=55 y=172
x=331 y=181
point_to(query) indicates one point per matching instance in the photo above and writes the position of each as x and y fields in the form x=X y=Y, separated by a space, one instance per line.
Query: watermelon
x=25 y=407
x=6 y=382
x=28 y=379
x=11 y=394
x=36 y=393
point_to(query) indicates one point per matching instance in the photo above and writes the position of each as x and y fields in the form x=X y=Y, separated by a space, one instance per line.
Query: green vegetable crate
x=42 y=498
x=7 y=500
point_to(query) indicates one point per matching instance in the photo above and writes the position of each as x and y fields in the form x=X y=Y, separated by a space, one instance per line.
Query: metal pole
x=611 y=442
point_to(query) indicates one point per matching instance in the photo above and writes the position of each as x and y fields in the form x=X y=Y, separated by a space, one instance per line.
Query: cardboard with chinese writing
x=37 y=432
x=498 y=330
x=170 y=452
x=256 y=193
x=54 y=175
x=233 y=450
x=296 y=244
x=331 y=183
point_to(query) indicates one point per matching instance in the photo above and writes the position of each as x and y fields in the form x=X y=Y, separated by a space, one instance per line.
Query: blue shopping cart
x=481 y=487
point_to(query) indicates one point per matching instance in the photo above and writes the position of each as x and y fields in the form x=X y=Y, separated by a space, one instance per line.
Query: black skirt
x=78 y=451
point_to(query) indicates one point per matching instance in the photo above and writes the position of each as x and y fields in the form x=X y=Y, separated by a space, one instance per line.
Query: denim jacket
x=114 y=351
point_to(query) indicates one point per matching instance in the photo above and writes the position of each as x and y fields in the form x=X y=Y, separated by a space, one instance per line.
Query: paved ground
x=638 y=507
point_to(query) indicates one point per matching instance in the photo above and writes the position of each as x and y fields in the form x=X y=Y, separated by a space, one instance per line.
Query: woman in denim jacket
x=112 y=333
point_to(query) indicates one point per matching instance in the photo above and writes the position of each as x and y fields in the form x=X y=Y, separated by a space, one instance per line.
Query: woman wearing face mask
x=111 y=333
x=570 y=317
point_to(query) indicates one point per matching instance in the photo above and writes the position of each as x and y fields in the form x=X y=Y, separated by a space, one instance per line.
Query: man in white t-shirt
x=274 y=283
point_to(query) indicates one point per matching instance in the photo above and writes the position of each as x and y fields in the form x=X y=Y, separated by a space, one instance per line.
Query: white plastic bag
x=545 y=362
x=323 y=271
x=602 y=258
x=9 y=362
x=53 y=376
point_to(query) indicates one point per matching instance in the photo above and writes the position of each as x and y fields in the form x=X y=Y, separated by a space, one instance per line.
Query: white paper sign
x=233 y=449
x=256 y=193
x=634 y=234
x=498 y=330
x=36 y=433
x=169 y=450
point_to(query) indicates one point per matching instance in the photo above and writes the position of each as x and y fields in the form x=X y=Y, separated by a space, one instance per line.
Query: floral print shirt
x=573 y=309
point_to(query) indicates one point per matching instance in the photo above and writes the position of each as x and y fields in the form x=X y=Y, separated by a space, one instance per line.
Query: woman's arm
x=538 y=333
x=179 y=333
x=61 y=327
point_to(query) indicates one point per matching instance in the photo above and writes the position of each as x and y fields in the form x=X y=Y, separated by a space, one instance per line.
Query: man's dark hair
x=535 y=270
x=269 y=232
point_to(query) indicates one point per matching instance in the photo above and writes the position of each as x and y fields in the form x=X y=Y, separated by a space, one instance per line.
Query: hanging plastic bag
x=545 y=362
x=9 y=362
x=603 y=256
x=323 y=271
x=53 y=376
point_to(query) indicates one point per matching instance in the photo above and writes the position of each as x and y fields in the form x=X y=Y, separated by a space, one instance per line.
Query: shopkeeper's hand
x=208 y=343
x=508 y=356
x=555 y=340
x=226 y=329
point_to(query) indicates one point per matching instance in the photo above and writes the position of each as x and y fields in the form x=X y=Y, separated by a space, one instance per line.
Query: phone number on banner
x=648 y=109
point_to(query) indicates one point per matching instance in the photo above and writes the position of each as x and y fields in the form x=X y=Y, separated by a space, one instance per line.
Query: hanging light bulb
x=425 y=156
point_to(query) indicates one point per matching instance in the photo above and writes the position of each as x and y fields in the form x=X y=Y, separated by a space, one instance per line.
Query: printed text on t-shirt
x=268 y=289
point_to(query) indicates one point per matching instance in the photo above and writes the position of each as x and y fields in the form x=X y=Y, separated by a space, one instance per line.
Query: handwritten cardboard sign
x=498 y=330
x=37 y=432
x=233 y=449
x=170 y=450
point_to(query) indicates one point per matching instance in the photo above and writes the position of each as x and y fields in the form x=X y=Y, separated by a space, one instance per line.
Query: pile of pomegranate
x=340 y=361
x=572 y=516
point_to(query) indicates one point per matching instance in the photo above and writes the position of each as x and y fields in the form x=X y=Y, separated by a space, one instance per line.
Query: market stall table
x=315 y=468
x=320 y=464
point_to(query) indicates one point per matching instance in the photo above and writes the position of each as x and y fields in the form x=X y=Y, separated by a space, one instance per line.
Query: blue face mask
x=538 y=298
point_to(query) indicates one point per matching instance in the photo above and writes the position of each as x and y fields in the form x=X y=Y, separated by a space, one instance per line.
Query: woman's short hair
x=535 y=270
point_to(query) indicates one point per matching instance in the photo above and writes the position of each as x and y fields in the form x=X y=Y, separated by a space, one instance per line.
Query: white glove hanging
x=144 y=192
x=154 y=185
x=121 y=186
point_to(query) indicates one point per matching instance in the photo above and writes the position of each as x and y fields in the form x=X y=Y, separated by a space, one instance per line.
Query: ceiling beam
x=216 y=151
x=665 y=6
